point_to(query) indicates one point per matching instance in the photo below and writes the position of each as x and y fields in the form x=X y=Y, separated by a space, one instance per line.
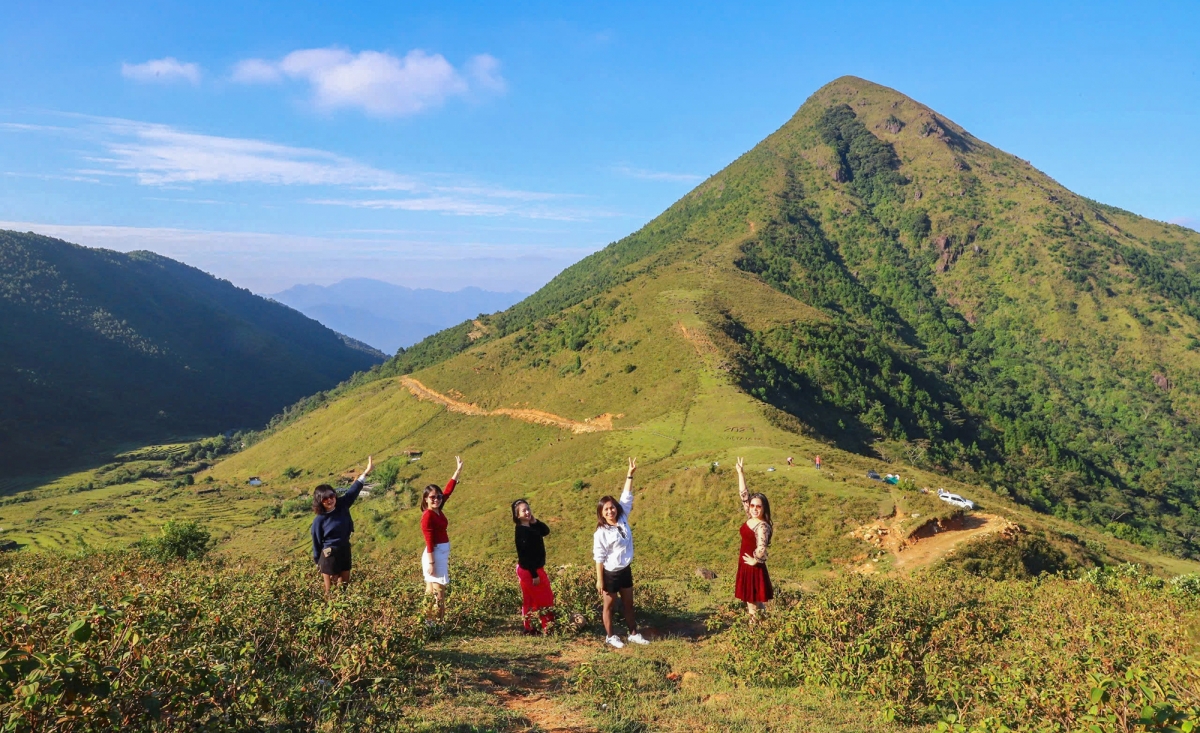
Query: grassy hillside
x=870 y=283
x=871 y=277
x=99 y=348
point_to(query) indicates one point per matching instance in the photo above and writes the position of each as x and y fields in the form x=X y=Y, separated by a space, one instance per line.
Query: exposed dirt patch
x=478 y=331
x=528 y=695
x=932 y=542
x=600 y=423
x=699 y=340
x=928 y=550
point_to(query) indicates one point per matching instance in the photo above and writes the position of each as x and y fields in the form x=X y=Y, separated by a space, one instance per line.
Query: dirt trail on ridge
x=598 y=424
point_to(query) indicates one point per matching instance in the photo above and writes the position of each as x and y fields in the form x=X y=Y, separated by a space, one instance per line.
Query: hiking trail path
x=598 y=424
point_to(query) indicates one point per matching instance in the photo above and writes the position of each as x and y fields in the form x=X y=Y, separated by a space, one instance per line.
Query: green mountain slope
x=99 y=348
x=871 y=283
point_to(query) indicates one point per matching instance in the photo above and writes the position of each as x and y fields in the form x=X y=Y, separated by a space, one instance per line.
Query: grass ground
x=510 y=682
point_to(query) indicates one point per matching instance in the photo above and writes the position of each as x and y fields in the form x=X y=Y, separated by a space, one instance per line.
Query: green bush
x=116 y=641
x=178 y=541
x=1049 y=654
x=577 y=603
x=1187 y=585
x=1001 y=558
x=388 y=471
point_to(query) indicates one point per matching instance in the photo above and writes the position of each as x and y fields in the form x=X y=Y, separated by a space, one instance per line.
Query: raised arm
x=356 y=488
x=743 y=492
x=446 y=492
x=626 y=500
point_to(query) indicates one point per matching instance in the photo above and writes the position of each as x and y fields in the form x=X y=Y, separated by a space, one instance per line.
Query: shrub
x=178 y=541
x=1052 y=654
x=388 y=471
x=291 y=472
x=1001 y=558
x=116 y=642
x=1186 y=585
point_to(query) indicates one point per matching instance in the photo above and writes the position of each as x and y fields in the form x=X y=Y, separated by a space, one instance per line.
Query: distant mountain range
x=99 y=348
x=390 y=317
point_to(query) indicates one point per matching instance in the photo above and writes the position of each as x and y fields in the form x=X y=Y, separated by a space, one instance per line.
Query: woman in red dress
x=753 y=586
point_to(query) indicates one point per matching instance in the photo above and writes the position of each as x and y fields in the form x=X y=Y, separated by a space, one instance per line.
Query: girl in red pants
x=536 y=596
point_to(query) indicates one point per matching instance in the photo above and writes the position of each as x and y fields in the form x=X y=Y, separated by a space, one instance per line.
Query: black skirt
x=336 y=562
x=615 y=580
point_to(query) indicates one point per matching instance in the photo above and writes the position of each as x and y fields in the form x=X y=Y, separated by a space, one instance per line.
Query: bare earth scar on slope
x=597 y=424
x=915 y=553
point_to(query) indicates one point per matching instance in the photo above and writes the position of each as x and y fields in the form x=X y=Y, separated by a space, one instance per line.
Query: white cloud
x=646 y=175
x=162 y=155
x=484 y=70
x=165 y=157
x=470 y=207
x=443 y=204
x=256 y=71
x=53 y=177
x=163 y=70
x=377 y=82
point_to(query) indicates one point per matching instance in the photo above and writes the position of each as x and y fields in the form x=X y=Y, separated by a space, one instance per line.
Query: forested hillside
x=98 y=348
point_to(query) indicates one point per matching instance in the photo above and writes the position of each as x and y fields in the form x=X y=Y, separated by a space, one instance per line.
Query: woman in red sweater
x=435 y=561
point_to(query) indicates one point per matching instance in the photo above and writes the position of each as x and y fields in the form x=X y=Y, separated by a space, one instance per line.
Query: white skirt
x=441 y=564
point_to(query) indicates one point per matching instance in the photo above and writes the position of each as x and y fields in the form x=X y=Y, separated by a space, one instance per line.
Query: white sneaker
x=636 y=639
x=615 y=642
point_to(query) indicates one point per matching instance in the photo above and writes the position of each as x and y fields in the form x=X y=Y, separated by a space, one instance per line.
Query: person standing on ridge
x=435 y=560
x=537 y=598
x=332 y=527
x=753 y=584
x=612 y=549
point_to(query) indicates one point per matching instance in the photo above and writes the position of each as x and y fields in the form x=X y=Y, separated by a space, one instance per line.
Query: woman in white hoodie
x=612 y=549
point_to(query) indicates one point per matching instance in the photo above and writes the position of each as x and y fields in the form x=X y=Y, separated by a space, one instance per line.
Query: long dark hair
x=514 y=509
x=766 y=517
x=600 y=510
x=320 y=494
x=429 y=491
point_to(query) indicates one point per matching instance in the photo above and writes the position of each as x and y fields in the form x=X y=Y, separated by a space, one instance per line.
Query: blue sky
x=445 y=145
